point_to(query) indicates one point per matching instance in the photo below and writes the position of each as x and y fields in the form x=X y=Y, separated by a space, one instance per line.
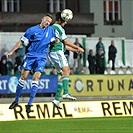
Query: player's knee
x=69 y=71
x=24 y=74
x=36 y=76
x=66 y=71
x=23 y=77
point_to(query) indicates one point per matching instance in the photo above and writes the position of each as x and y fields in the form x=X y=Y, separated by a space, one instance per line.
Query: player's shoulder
x=50 y=27
x=32 y=28
x=58 y=28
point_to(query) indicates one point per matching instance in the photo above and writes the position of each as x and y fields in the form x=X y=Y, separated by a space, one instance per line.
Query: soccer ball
x=66 y=14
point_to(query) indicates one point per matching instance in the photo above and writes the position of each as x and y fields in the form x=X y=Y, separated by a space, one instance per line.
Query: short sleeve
x=59 y=32
x=25 y=38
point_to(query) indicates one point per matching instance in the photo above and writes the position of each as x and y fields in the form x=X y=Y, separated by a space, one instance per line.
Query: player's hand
x=80 y=50
x=9 y=54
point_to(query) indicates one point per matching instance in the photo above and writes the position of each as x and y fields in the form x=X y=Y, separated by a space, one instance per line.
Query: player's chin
x=63 y=24
x=46 y=25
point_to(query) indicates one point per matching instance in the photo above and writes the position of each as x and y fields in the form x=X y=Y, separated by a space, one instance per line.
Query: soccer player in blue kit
x=38 y=39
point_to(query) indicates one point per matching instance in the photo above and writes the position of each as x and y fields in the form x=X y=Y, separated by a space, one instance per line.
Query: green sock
x=65 y=82
x=59 y=90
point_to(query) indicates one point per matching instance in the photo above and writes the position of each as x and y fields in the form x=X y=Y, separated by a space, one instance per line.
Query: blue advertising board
x=47 y=84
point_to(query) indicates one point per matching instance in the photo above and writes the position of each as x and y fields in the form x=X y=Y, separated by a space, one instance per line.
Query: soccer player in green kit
x=59 y=61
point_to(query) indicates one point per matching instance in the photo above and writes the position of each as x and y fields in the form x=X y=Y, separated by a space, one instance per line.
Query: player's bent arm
x=80 y=50
x=71 y=49
x=69 y=43
x=18 y=44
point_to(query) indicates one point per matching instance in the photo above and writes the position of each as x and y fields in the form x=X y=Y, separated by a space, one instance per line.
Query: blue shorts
x=36 y=64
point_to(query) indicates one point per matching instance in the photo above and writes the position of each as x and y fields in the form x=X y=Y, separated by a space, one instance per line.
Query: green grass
x=83 y=125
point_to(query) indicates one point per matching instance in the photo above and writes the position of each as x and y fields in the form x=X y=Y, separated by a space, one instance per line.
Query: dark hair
x=90 y=51
x=49 y=15
x=58 y=16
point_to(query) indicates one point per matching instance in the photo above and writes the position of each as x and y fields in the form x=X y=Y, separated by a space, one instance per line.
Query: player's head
x=60 y=20
x=46 y=21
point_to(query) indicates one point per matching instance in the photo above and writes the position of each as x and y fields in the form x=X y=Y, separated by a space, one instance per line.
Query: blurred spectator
x=21 y=52
x=77 y=57
x=9 y=63
x=71 y=71
x=4 y=56
x=17 y=64
x=76 y=71
x=67 y=54
x=106 y=71
x=10 y=66
x=112 y=72
x=101 y=46
x=3 y=66
x=128 y=71
x=100 y=63
x=112 y=54
x=92 y=62
x=53 y=72
x=120 y=71
x=81 y=71
x=44 y=73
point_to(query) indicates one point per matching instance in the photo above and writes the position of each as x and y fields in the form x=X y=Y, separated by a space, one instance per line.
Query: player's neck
x=41 y=26
x=57 y=22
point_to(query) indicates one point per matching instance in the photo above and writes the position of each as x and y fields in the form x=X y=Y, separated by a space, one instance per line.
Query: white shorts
x=58 y=60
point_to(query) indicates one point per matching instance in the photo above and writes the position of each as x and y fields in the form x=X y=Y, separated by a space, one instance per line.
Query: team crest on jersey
x=47 y=34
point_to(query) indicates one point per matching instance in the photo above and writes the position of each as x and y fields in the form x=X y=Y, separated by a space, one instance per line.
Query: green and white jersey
x=60 y=36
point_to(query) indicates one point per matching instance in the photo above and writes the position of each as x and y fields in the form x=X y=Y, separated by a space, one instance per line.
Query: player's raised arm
x=18 y=44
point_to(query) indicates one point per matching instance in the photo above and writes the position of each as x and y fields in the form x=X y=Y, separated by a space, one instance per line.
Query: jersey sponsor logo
x=1 y=113
x=79 y=85
x=13 y=82
x=36 y=34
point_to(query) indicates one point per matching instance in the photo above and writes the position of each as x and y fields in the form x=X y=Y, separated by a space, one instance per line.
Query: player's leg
x=63 y=64
x=60 y=62
x=24 y=75
x=54 y=59
x=65 y=82
x=56 y=100
x=38 y=67
x=34 y=89
x=65 y=78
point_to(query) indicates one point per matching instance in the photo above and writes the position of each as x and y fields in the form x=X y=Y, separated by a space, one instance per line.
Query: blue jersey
x=38 y=40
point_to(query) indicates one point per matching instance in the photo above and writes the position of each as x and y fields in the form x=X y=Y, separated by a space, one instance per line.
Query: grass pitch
x=82 y=125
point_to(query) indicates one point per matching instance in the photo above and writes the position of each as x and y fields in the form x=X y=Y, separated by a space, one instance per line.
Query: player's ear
x=60 y=20
x=43 y=18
